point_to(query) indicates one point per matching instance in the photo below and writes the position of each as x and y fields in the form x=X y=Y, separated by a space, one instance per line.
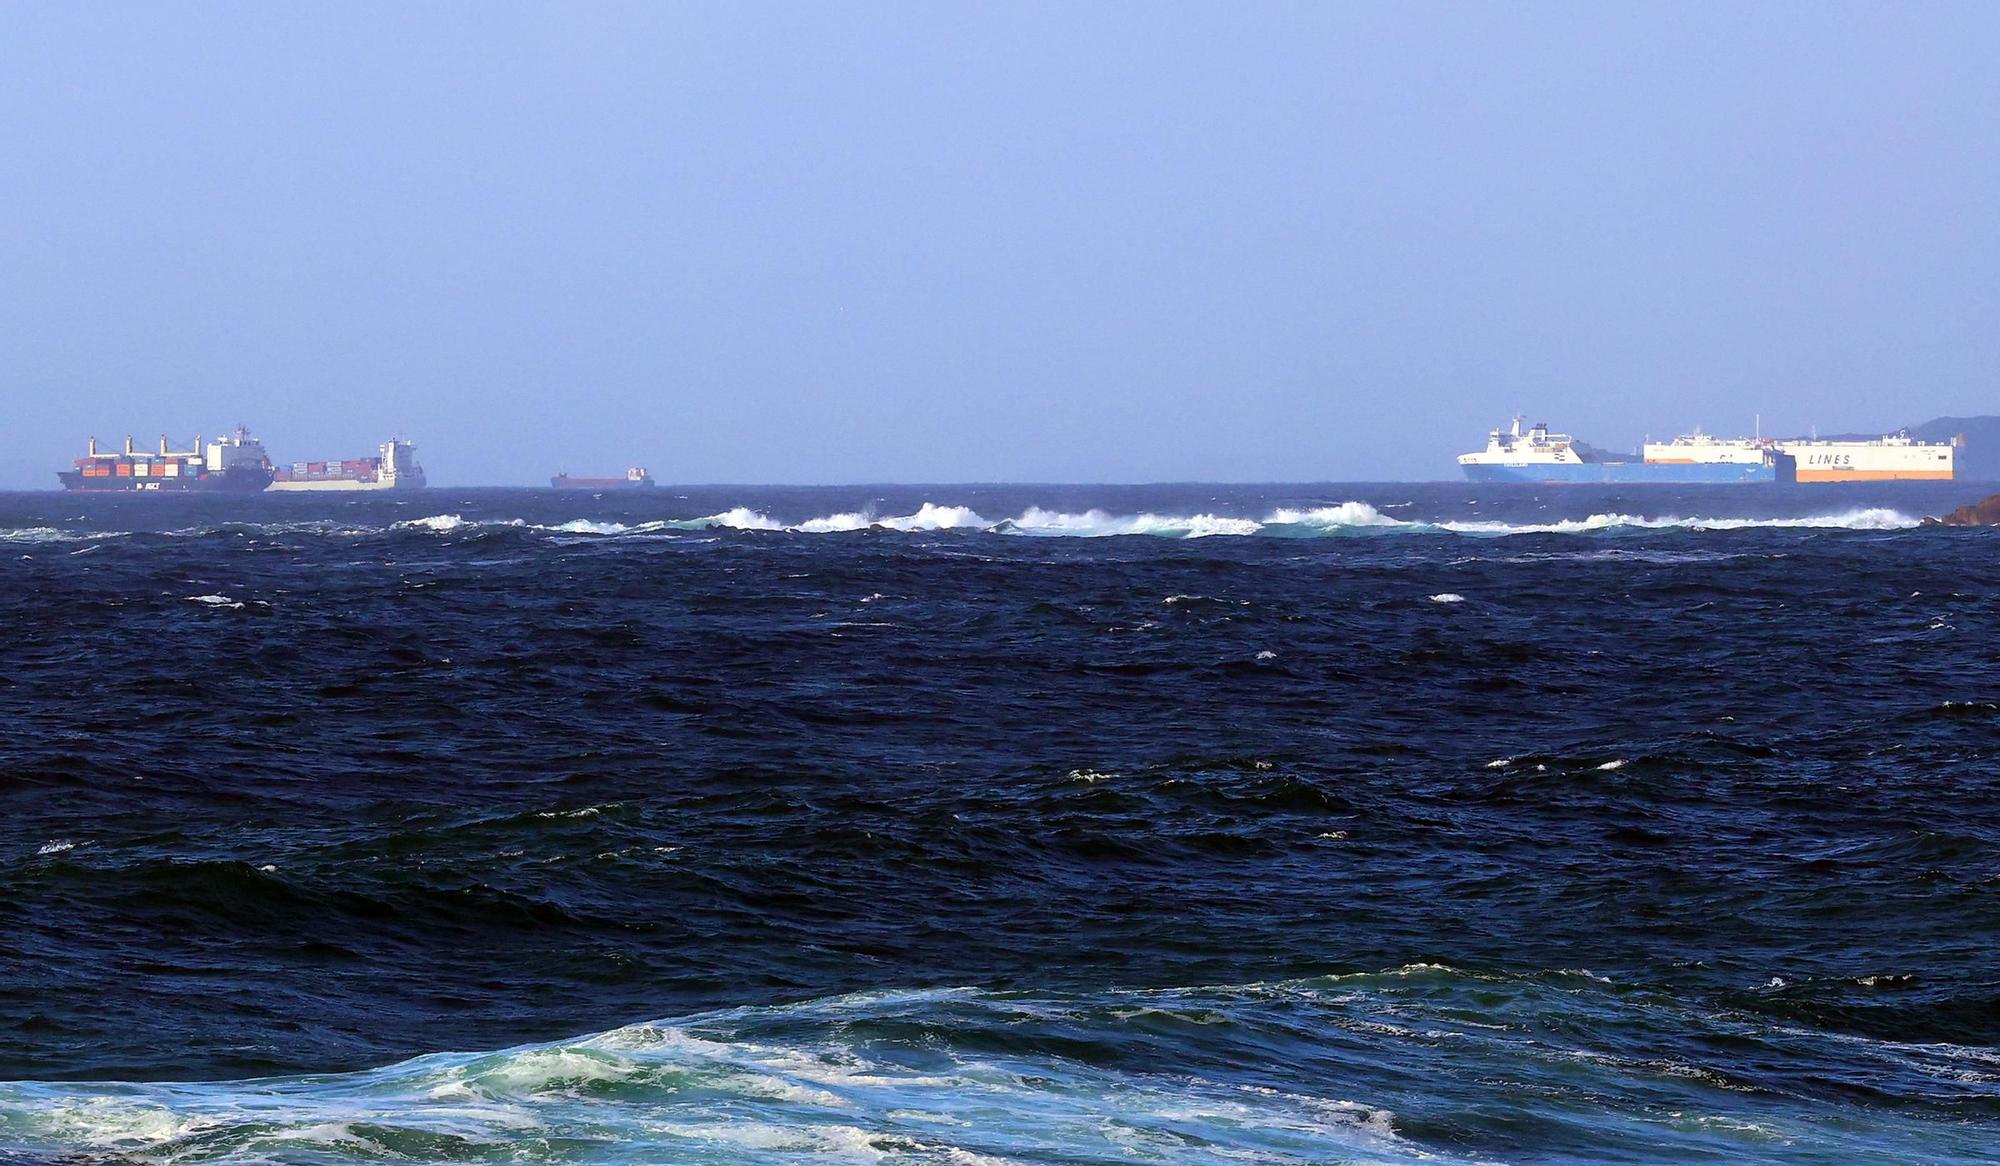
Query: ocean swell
x=1460 y=1066
x=1345 y=518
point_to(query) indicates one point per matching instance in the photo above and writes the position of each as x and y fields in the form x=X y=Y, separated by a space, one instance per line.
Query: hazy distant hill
x=1979 y=461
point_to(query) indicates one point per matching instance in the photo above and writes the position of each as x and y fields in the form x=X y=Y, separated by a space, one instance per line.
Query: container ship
x=636 y=478
x=395 y=468
x=1544 y=457
x=1893 y=458
x=235 y=464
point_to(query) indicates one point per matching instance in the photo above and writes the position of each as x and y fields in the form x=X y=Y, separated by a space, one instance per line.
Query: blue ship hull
x=1666 y=473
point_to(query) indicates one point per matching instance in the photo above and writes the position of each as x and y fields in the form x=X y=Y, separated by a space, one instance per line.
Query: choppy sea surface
x=1371 y=824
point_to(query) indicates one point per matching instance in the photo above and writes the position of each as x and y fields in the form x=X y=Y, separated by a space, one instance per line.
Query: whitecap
x=735 y=518
x=439 y=523
x=1100 y=524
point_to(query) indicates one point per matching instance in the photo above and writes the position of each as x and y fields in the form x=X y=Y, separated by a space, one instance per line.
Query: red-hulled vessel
x=635 y=478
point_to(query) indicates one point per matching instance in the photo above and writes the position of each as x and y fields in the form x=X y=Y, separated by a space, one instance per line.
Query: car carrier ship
x=236 y=464
x=1544 y=457
x=395 y=468
x=1894 y=458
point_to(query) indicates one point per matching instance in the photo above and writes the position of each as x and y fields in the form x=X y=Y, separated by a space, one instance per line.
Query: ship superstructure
x=395 y=468
x=235 y=464
x=1897 y=457
x=1540 y=455
x=1702 y=449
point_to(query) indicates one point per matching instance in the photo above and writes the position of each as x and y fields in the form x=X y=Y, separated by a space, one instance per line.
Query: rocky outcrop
x=1985 y=513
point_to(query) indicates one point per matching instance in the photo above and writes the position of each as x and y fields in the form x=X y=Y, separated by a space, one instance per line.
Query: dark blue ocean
x=1305 y=824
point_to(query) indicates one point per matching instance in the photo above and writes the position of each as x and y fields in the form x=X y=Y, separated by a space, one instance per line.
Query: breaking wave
x=959 y=1075
x=1345 y=518
x=1349 y=519
x=872 y=1077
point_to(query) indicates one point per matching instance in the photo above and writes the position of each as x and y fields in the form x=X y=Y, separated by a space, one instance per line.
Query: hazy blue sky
x=939 y=241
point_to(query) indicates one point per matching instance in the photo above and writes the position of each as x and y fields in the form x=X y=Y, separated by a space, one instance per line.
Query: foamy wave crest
x=1362 y=518
x=437 y=523
x=1869 y=519
x=929 y=516
x=43 y=534
x=1346 y=515
x=740 y=518
x=1340 y=1068
x=1351 y=518
x=1099 y=524
x=832 y=1078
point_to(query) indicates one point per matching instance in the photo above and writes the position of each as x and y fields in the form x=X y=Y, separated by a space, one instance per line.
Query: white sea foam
x=56 y=846
x=1352 y=517
x=738 y=518
x=586 y=526
x=1447 y=597
x=434 y=522
x=1345 y=515
x=726 y=1086
x=831 y=1080
x=1100 y=524
x=215 y=601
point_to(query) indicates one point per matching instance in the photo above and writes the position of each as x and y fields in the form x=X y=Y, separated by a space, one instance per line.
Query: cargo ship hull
x=1863 y=463
x=635 y=478
x=1625 y=473
x=1892 y=458
x=291 y=485
x=395 y=469
x=227 y=465
x=234 y=480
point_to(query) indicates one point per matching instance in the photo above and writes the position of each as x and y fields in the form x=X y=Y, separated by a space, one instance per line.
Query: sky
x=938 y=242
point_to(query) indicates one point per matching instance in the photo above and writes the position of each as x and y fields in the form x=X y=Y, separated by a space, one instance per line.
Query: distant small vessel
x=236 y=464
x=395 y=469
x=1541 y=456
x=636 y=478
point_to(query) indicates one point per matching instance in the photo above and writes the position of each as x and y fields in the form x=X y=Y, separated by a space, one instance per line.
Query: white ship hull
x=1888 y=460
x=342 y=484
